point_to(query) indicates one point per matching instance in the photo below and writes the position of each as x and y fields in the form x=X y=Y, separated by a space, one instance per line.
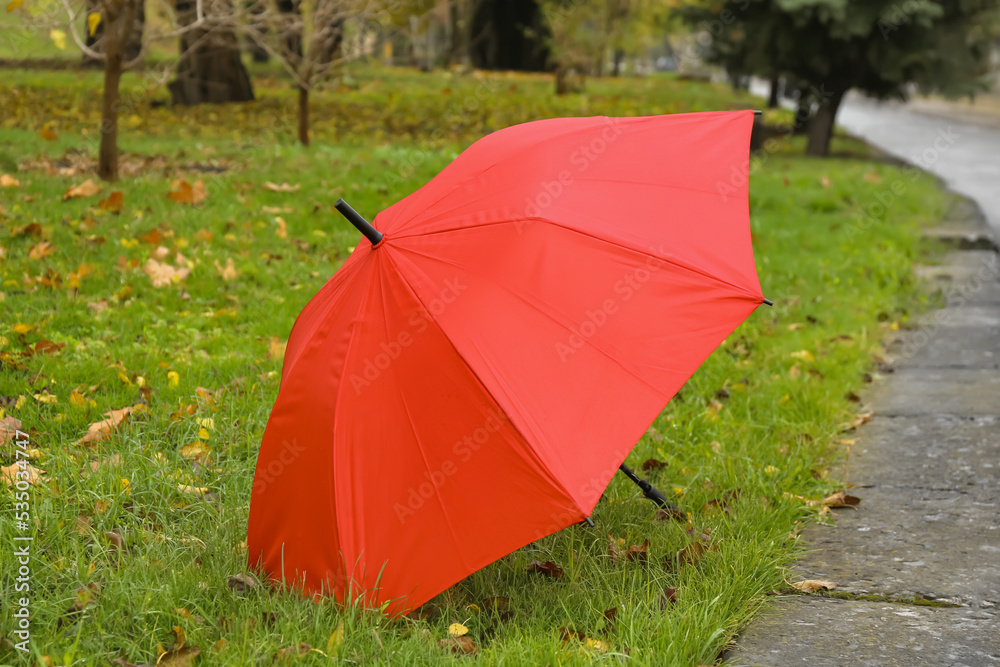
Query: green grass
x=787 y=373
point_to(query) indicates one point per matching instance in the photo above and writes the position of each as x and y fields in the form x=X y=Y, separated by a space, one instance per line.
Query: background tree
x=830 y=47
x=210 y=68
x=508 y=34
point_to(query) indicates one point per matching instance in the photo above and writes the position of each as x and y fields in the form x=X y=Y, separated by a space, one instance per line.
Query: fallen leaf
x=670 y=514
x=9 y=426
x=296 y=651
x=548 y=568
x=637 y=552
x=458 y=645
x=457 y=630
x=824 y=181
x=813 y=585
x=113 y=204
x=872 y=177
x=105 y=428
x=83 y=597
x=804 y=355
x=336 y=638
x=840 y=499
x=276 y=348
x=98 y=306
x=178 y=657
x=284 y=187
x=241 y=583
x=163 y=274
x=21 y=471
x=227 y=272
x=652 y=465
x=668 y=597
x=277 y=209
x=86 y=189
x=196 y=451
x=48 y=134
x=183 y=192
x=115 y=540
x=8 y=181
x=112 y=462
x=282 y=231
x=193 y=490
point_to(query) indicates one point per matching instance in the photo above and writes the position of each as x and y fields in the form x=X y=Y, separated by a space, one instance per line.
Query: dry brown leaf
x=113 y=204
x=459 y=645
x=86 y=189
x=284 y=187
x=241 y=583
x=668 y=597
x=21 y=471
x=163 y=274
x=548 y=568
x=103 y=429
x=228 y=272
x=112 y=462
x=277 y=209
x=670 y=514
x=841 y=499
x=813 y=585
x=178 y=657
x=8 y=181
x=9 y=426
x=183 y=192
x=40 y=250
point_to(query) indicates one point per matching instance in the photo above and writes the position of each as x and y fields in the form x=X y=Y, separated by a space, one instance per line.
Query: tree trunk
x=304 y=115
x=107 y=162
x=508 y=34
x=821 y=126
x=803 y=112
x=210 y=68
x=772 y=98
x=616 y=66
x=96 y=41
x=121 y=19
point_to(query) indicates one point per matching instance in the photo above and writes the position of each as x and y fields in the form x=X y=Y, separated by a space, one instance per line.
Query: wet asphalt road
x=964 y=155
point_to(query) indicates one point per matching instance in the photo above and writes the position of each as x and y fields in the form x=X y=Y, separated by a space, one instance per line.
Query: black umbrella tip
x=758 y=112
x=768 y=302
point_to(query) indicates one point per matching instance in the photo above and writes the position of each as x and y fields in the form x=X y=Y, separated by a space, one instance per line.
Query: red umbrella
x=470 y=382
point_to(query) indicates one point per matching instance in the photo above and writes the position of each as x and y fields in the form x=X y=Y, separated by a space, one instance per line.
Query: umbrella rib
x=553 y=479
x=362 y=302
x=406 y=409
x=670 y=260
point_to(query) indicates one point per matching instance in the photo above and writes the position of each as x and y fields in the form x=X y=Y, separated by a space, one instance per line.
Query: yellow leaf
x=21 y=400
x=46 y=399
x=93 y=20
x=283 y=187
x=282 y=232
x=125 y=485
x=596 y=644
x=77 y=399
x=207 y=422
x=22 y=328
x=336 y=638
x=192 y=490
x=196 y=451
x=457 y=630
x=13 y=4
x=276 y=348
x=58 y=38
x=173 y=379
x=804 y=355
x=203 y=433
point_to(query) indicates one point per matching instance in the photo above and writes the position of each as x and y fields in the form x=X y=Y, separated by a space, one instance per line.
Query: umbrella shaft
x=359 y=222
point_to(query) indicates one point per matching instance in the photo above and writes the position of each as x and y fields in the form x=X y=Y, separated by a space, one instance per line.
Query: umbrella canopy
x=471 y=382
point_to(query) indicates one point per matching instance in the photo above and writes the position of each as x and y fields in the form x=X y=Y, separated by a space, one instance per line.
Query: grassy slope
x=377 y=138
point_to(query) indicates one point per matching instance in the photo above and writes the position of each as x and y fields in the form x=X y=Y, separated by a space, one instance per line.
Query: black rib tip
x=359 y=222
x=768 y=302
x=758 y=112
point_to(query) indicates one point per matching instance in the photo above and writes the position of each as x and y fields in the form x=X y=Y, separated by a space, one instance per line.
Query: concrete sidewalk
x=918 y=562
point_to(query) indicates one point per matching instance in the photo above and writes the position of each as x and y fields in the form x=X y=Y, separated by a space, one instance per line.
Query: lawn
x=138 y=530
